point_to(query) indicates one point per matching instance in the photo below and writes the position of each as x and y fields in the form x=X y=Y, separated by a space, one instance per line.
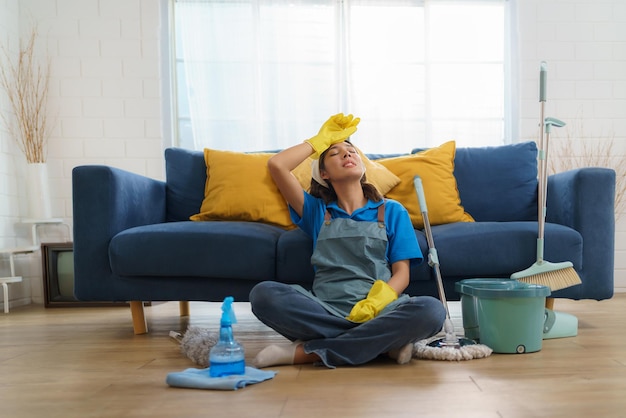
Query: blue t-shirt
x=402 y=242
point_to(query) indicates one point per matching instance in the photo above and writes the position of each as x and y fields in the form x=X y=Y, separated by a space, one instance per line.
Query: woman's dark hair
x=328 y=194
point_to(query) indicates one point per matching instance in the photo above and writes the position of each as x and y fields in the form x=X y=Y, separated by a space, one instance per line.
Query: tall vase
x=38 y=191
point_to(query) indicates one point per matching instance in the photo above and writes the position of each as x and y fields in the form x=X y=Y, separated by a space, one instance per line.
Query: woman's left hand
x=379 y=296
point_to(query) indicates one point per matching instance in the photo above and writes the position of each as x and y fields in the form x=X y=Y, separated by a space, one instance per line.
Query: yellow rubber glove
x=379 y=296
x=336 y=129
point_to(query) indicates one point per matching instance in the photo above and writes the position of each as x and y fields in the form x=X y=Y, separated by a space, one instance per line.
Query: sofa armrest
x=584 y=199
x=108 y=200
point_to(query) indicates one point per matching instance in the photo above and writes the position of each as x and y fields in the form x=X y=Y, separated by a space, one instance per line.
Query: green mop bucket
x=469 y=303
x=506 y=315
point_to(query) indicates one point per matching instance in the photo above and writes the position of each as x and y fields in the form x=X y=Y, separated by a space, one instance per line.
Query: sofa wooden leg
x=184 y=307
x=139 y=318
x=550 y=303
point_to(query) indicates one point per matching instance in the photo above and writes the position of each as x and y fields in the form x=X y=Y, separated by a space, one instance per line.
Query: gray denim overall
x=349 y=257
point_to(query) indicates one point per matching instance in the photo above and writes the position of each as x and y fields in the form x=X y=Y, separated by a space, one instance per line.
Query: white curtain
x=265 y=74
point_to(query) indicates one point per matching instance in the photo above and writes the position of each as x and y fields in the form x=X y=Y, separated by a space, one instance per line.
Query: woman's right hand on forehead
x=336 y=129
x=346 y=121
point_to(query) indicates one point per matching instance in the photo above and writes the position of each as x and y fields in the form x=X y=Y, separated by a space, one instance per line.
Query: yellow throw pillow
x=239 y=188
x=436 y=168
x=376 y=174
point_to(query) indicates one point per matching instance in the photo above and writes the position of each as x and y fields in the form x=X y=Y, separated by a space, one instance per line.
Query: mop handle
x=433 y=258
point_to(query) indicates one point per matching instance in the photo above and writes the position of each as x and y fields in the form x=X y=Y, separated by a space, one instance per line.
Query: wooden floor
x=86 y=362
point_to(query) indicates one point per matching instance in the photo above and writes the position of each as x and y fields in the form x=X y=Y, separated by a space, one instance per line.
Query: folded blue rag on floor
x=200 y=379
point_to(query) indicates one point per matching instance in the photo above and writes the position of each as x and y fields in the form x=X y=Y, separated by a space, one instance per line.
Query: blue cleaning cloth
x=200 y=379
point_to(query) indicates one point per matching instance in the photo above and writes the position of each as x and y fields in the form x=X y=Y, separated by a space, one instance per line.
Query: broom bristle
x=555 y=279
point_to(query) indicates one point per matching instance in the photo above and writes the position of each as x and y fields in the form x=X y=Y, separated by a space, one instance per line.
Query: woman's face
x=341 y=161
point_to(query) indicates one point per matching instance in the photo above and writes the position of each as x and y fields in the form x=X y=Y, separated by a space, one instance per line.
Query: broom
x=554 y=275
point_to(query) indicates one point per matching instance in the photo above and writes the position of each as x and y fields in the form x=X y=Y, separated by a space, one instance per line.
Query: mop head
x=461 y=352
x=196 y=344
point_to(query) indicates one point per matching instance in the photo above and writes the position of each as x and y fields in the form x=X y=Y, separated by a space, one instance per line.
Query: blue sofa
x=133 y=240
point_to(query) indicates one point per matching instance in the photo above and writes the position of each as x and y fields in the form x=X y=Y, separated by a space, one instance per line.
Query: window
x=263 y=74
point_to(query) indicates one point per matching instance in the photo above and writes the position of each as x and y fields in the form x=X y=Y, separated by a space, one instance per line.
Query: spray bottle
x=227 y=356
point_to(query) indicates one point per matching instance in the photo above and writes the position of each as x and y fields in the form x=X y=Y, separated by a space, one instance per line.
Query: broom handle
x=542 y=191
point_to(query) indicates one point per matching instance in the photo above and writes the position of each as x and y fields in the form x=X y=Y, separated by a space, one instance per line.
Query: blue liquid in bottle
x=227 y=357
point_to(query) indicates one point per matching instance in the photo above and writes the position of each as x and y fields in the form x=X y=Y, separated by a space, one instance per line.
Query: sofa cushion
x=498 y=183
x=185 y=172
x=239 y=188
x=435 y=166
x=498 y=249
x=228 y=250
x=377 y=174
x=293 y=258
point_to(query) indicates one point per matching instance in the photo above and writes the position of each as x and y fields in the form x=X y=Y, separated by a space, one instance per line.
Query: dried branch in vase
x=25 y=81
x=577 y=150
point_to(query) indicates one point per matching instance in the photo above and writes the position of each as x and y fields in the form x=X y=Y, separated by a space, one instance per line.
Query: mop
x=448 y=347
x=196 y=343
x=554 y=275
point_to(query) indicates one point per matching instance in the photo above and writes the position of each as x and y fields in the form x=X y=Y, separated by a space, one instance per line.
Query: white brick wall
x=584 y=44
x=11 y=176
x=106 y=93
x=106 y=90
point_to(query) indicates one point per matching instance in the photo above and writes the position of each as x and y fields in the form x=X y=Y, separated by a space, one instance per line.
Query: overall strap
x=381 y=215
x=327 y=217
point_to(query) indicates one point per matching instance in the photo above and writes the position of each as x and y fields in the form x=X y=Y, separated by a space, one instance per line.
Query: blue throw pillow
x=498 y=183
